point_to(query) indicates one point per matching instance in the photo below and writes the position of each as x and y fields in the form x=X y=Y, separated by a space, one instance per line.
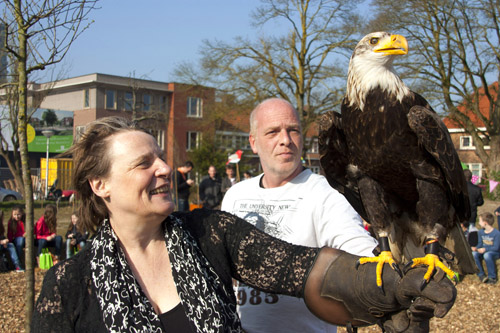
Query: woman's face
x=17 y=215
x=74 y=219
x=138 y=184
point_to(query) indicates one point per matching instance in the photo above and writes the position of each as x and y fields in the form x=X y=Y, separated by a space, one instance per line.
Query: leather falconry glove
x=342 y=294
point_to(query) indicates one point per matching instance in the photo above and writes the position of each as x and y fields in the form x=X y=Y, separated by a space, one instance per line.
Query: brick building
x=175 y=113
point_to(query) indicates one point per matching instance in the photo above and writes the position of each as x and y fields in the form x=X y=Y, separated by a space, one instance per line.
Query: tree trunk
x=494 y=156
x=23 y=147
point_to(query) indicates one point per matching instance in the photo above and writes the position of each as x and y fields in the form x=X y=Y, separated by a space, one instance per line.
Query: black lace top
x=72 y=300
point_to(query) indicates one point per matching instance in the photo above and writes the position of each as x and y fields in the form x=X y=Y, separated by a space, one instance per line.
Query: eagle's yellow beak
x=396 y=44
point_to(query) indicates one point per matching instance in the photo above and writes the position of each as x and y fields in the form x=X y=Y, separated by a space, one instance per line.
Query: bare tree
x=305 y=66
x=38 y=34
x=139 y=101
x=9 y=148
x=456 y=56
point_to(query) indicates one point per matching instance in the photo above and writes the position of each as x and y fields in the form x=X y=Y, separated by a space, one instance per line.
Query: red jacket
x=19 y=232
x=41 y=229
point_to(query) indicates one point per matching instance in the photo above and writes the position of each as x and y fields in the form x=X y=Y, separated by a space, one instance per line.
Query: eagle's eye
x=374 y=40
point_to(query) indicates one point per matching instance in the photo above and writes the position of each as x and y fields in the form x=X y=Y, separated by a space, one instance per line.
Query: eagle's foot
x=433 y=262
x=381 y=259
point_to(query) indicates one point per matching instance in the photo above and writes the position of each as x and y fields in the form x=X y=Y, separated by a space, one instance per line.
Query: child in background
x=15 y=230
x=74 y=237
x=488 y=248
x=45 y=232
x=4 y=243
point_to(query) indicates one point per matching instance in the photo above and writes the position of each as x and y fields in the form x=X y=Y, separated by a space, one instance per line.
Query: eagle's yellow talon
x=433 y=262
x=381 y=259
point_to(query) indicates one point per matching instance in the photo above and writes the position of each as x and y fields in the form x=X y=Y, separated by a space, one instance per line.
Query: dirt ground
x=477 y=307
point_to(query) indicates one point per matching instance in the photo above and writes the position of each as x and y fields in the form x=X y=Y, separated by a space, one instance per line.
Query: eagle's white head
x=371 y=66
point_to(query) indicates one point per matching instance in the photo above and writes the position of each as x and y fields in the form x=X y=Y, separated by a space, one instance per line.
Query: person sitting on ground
x=6 y=245
x=470 y=233
x=75 y=239
x=46 y=233
x=150 y=269
x=15 y=230
x=487 y=249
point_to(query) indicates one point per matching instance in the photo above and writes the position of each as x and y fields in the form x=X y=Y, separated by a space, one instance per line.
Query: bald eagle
x=392 y=157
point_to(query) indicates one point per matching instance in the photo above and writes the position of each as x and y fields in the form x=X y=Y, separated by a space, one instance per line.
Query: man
x=475 y=196
x=229 y=180
x=183 y=185
x=291 y=203
x=210 y=190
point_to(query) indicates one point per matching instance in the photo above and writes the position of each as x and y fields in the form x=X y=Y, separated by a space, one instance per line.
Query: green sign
x=57 y=144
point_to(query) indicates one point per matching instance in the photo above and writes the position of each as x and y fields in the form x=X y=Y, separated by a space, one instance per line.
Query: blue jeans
x=69 y=248
x=13 y=255
x=43 y=243
x=490 y=258
x=19 y=243
x=183 y=205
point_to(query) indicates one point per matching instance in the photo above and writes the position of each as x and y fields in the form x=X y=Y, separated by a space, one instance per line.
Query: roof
x=484 y=106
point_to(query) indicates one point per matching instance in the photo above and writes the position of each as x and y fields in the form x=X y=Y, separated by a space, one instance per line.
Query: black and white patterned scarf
x=125 y=307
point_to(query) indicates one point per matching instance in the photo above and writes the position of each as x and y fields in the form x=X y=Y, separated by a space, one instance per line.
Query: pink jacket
x=41 y=229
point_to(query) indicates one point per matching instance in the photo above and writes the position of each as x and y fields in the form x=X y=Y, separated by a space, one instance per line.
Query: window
x=315 y=169
x=475 y=168
x=193 y=140
x=313 y=147
x=194 y=107
x=128 y=101
x=466 y=142
x=163 y=103
x=110 y=99
x=232 y=140
x=160 y=137
x=86 y=98
x=146 y=102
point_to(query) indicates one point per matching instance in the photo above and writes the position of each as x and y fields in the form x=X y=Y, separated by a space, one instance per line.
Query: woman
x=5 y=244
x=15 y=230
x=46 y=232
x=75 y=240
x=148 y=270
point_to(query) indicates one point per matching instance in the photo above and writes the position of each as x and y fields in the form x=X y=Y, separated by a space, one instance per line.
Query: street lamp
x=47 y=134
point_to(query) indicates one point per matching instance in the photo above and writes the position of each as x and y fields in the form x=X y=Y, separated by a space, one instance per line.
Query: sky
x=152 y=37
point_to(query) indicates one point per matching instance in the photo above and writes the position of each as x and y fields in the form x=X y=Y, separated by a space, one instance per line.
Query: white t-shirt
x=305 y=211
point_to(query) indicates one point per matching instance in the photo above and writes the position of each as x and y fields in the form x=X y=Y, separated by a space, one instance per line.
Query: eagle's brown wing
x=434 y=137
x=334 y=159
